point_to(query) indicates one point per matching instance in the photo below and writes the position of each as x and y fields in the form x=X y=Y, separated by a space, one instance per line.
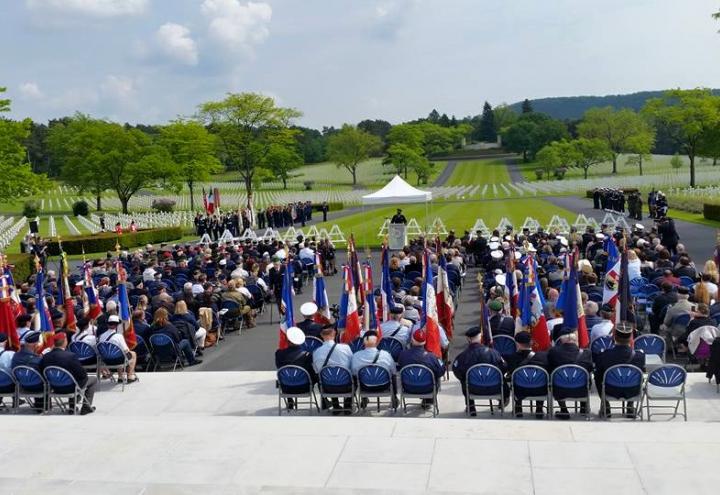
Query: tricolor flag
x=612 y=273
x=532 y=308
x=444 y=301
x=511 y=284
x=124 y=306
x=349 y=315
x=369 y=310
x=7 y=315
x=287 y=318
x=15 y=303
x=216 y=198
x=211 y=203
x=44 y=321
x=573 y=312
x=67 y=301
x=385 y=285
x=429 y=320
x=93 y=310
x=320 y=297
x=355 y=269
x=624 y=310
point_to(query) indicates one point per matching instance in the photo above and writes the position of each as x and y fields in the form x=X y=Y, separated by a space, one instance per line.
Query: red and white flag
x=352 y=316
x=430 y=319
x=445 y=305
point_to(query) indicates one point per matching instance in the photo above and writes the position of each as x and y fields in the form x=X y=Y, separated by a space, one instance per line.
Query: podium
x=397 y=236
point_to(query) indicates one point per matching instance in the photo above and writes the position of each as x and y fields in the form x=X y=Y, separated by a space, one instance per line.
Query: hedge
x=23 y=266
x=711 y=212
x=106 y=241
x=331 y=206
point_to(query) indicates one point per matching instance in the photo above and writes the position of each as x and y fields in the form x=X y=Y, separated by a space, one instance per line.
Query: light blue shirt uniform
x=366 y=357
x=389 y=327
x=341 y=356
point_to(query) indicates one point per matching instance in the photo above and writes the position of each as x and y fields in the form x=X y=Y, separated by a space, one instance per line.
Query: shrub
x=308 y=184
x=335 y=206
x=81 y=208
x=31 y=208
x=163 y=204
x=23 y=265
x=711 y=211
x=539 y=173
x=676 y=161
x=560 y=173
x=106 y=241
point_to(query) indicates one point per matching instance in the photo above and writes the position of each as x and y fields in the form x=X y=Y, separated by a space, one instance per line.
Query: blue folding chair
x=112 y=357
x=600 y=345
x=312 y=343
x=484 y=382
x=392 y=345
x=8 y=388
x=87 y=355
x=357 y=345
x=294 y=384
x=534 y=384
x=336 y=382
x=651 y=344
x=636 y=285
x=30 y=385
x=666 y=384
x=230 y=316
x=164 y=351
x=686 y=281
x=570 y=382
x=375 y=382
x=417 y=381
x=504 y=344
x=258 y=297
x=63 y=387
x=626 y=381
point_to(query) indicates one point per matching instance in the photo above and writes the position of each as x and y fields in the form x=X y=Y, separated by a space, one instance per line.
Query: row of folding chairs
x=414 y=382
x=54 y=384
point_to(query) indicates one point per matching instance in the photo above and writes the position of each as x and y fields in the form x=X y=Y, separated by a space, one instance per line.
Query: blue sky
x=344 y=60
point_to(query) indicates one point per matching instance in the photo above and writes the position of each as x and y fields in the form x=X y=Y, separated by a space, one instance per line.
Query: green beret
x=495 y=305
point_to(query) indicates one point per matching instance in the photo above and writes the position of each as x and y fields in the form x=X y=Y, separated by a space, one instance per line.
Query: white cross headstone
x=531 y=224
x=336 y=236
x=479 y=226
x=226 y=236
x=413 y=228
x=384 y=229
x=437 y=227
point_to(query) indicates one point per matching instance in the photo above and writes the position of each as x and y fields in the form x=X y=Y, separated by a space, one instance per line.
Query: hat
x=496 y=255
x=396 y=309
x=494 y=239
x=599 y=236
x=419 y=336
x=31 y=337
x=523 y=338
x=682 y=290
x=566 y=331
x=495 y=305
x=623 y=329
x=494 y=245
x=295 y=336
x=222 y=262
x=500 y=279
x=370 y=333
x=113 y=319
x=563 y=241
x=639 y=226
x=472 y=332
x=308 y=309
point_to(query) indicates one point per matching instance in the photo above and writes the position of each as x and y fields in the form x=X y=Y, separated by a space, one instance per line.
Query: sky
x=340 y=61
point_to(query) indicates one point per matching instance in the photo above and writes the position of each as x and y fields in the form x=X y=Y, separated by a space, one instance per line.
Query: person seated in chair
x=417 y=354
x=68 y=361
x=566 y=351
x=308 y=325
x=477 y=353
x=332 y=353
x=372 y=355
x=116 y=337
x=397 y=327
x=6 y=354
x=28 y=356
x=669 y=330
x=622 y=353
x=294 y=354
x=524 y=355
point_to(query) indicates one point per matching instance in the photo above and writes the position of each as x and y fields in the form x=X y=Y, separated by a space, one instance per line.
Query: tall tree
x=192 y=150
x=283 y=158
x=247 y=125
x=434 y=116
x=689 y=116
x=613 y=126
x=589 y=152
x=639 y=147
x=377 y=127
x=350 y=146
x=403 y=158
x=503 y=117
x=486 y=130
x=527 y=106
x=531 y=132
x=4 y=103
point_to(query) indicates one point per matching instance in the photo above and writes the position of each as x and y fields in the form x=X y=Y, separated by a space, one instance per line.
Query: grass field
x=479 y=172
x=459 y=216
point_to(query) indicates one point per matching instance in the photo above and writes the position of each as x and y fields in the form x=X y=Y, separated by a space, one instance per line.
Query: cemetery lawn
x=457 y=215
x=472 y=172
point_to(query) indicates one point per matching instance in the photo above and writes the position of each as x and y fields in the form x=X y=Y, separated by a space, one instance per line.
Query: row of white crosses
x=52 y=230
x=8 y=234
x=91 y=225
x=71 y=226
x=413 y=229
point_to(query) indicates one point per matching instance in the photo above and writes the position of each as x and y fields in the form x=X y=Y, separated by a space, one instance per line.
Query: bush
x=106 y=241
x=23 y=265
x=335 y=206
x=539 y=173
x=163 y=204
x=560 y=173
x=81 y=208
x=308 y=184
x=31 y=208
x=676 y=161
x=711 y=211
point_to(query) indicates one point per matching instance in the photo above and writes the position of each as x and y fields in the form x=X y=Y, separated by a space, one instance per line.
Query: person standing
x=399 y=217
x=325 y=209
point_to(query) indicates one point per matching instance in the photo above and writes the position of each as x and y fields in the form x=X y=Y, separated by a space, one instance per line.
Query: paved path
x=446 y=173
x=513 y=166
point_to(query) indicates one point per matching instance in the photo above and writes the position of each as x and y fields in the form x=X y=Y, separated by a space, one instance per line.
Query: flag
x=612 y=273
x=251 y=209
x=44 y=321
x=67 y=301
x=355 y=268
x=7 y=316
x=429 y=320
x=485 y=330
x=210 y=203
x=511 y=283
x=216 y=198
x=287 y=319
x=572 y=309
x=93 y=309
x=320 y=297
x=369 y=310
x=15 y=303
x=349 y=313
x=124 y=306
x=205 y=200
x=444 y=301
x=532 y=309
x=624 y=310
x=385 y=285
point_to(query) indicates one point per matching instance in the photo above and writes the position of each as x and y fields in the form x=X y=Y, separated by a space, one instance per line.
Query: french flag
x=125 y=310
x=7 y=315
x=320 y=297
x=511 y=284
x=211 y=202
x=444 y=301
x=287 y=319
x=369 y=310
x=44 y=321
x=429 y=319
x=17 y=307
x=350 y=318
x=93 y=310
x=612 y=273
x=573 y=312
x=385 y=286
x=532 y=309
x=66 y=299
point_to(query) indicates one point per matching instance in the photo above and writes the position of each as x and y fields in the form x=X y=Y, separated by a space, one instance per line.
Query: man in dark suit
x=665 y=298
x=568 y=352
x=66 y=360
x=417 y=354
x=622 y=353
x=308 y=325
x=499 y=323
x=522 y=357
x=295 y=355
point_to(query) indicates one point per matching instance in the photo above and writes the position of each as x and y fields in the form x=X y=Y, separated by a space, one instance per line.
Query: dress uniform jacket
x=620 y=354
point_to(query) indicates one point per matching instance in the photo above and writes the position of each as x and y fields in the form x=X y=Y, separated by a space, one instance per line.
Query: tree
x=531 y=132
x=614 y=127
x=247 y=125
x=283 y=158
x=311 y=144
x=548 y=159
x=403 y=158
x=689 y=116
x=639 y=147
x=503 y=116
x=377 y=127
x=192 y=151
x=4 y=103
x=486 y=130
x=589 y=152
x=527 y=106
x=351 y=146
x=434 y=116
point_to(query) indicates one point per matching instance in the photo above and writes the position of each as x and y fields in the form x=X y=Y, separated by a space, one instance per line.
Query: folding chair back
x=295 y=383
x=666 y=384
x=571 y=382
x=651 y=344
x=164 y=351
x=484 y=382
x=312 y=343
x=504 y=344
x=624 y=383
x=374 y=382
x=417 y=381
x=113 y=358
x=600 y=345
x=531 y=383
x=357 y=345
x=336 y=382
x=392 y=345
x=62 y=385
x=30 y=384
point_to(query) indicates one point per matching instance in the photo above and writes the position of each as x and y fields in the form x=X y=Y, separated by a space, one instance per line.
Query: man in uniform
x=499 y=323
x=295 y=355
x=396 y=327
x=417 y=354
x=372 y=355
x=308 y=325
x=27 y=356
x=477 y=353
x=332 y=353
x=622 y=353
x=524 y=355
x=398 y=217
x=568 y=352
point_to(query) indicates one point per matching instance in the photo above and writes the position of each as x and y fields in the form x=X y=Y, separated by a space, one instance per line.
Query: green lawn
x=455 y=215
x=482 y=172
x=370 y=173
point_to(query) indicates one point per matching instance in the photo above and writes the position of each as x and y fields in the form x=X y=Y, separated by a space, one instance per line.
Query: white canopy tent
x=397 y=191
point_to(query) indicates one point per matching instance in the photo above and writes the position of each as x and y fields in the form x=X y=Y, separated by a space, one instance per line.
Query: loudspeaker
x=34 y=227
